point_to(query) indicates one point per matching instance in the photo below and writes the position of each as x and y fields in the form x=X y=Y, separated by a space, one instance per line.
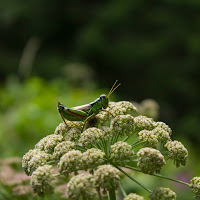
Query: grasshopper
x=85 y=112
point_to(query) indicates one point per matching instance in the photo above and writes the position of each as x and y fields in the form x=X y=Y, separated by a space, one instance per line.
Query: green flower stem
x=126 y=138
x=159 y=175
x=58 y=174
x=81 y=148
x=122 y=189
x=111 y=194
x=115 y=138
x=104 y=146
x=96 y=146
x=99 y=194
x=133 y=179
x=137 y=143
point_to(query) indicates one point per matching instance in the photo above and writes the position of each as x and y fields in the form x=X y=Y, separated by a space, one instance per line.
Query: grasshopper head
x=60 y=106
x=104 y=101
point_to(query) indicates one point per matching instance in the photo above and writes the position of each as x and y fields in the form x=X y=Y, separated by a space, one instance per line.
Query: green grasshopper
x=85 y=112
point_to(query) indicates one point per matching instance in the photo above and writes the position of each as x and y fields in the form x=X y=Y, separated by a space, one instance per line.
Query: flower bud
x=81 y=185
x=70 y=162
x=123 y=125
x=121 y=152
x=162 y=193
x=107 y=177
x=150 y=160
x=92 y=158
x=177 y=152
x=40 y=180
x=133 y=196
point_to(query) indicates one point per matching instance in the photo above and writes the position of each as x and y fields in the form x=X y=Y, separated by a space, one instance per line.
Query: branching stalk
x=133 y=179
x=159 y=175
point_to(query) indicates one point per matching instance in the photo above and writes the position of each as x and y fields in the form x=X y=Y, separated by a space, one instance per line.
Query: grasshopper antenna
x=113 y=88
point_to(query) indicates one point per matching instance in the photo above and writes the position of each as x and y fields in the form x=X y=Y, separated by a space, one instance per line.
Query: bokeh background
x=73 y=51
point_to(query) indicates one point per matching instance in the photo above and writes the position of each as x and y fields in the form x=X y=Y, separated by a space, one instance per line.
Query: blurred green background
x=73 y=51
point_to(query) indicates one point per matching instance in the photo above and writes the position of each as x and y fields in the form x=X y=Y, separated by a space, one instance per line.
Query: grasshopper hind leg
x=65 y=121
x=88 y=119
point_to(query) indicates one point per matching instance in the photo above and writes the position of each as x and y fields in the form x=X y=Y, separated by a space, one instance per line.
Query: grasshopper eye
x=103 y=96
x=60 y=106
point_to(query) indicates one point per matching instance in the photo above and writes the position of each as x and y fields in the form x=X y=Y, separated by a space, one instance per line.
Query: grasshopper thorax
x=104 y=100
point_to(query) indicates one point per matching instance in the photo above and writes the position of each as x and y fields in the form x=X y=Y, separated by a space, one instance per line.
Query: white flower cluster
x=100 y=147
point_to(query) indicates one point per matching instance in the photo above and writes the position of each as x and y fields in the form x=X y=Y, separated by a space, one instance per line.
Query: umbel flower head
x=195 y=185
x=106 y=177
x=177 y=152
x=107 y=133
x=148 y=137
x=162 y=194
x=73 y=134
x=123 y=125
x=121 y=108
x=63 y=128
x=70 y=162
x=121 y=152
x=163 y=126
x=143 y=122
x=33 y=159
x=92 y=158
x=162 y=135
x=81 y=185
x=133 y=196
x=40 y=180
x=49 y=142
x=91 y=136
x=27 y=157
x=62 y=148
x=150 y=160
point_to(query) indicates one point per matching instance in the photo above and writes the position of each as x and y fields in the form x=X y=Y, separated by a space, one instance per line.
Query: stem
x=159 y=175
x=99 y=194
x=137 y=143
x=133 y=179
x=111 y=194
x=58 y=174
x=114 y=139
x=125 y=139
x=80 y=148
x=122 y=189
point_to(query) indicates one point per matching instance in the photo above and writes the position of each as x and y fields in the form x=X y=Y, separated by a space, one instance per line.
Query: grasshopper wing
x=85 y=107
